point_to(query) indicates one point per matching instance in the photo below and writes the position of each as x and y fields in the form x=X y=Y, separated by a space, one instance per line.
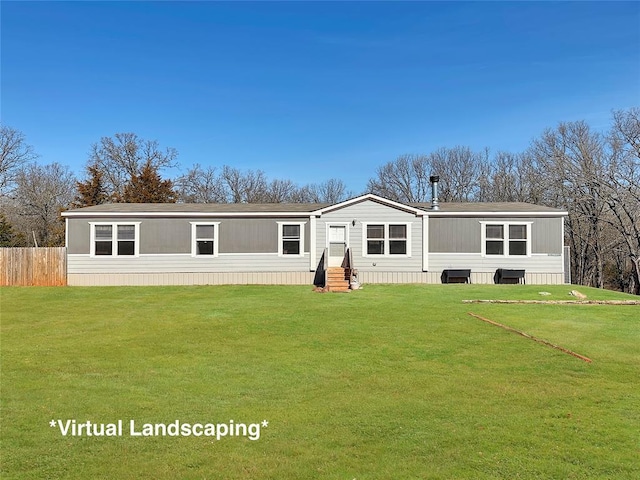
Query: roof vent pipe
x=434 y=192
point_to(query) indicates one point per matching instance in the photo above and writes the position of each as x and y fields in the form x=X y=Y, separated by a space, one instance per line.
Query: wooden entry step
x=337 y=279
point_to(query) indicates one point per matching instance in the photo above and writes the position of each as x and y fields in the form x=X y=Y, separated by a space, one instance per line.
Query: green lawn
x=392 y=381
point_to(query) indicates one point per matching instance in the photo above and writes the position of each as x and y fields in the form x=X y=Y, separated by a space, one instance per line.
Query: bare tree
x=625 y=133
x=460 y=170
x=513 y=178
x=280 y=191
x=42 y=192
x=14 y=153
x=123 y=156
x=200 y=185
x=405 y=180
x=463 y=176
x=331 y=191
x=572 y=163
x=245 y=187
x=254 y=187
x=623 y=183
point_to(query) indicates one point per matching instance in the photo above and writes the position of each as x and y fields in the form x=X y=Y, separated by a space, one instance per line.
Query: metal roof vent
x=434 y=179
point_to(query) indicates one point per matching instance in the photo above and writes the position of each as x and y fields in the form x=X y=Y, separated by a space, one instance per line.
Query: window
x=204 y=239
x=506 y=239
x=114 y=239
x=290 y=238
x=495 y=239
x=517 y=239
x=397 y=239
x=103 y=239
x=387 y=239
x=126 y=239
x=375 y=239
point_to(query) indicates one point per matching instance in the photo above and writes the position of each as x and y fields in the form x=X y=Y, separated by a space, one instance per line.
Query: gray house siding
x=157 y=235
x=165 y=237
x=454 y=235
x=370 y=212
x=463 y=234
x=78 y=236
x=173 y=235
x=547 y=235
x=255 y=235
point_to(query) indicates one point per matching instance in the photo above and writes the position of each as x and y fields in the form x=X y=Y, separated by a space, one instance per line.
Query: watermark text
x=120 y=428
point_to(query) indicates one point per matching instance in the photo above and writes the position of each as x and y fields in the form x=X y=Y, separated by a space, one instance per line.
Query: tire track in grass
x=531 y=337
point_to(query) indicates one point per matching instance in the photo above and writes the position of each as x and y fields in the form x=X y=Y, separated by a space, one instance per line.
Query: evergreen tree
x=8 y=236
x=92 y=191
x=148 y=187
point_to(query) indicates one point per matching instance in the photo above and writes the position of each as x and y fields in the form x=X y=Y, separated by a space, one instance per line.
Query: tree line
x=593 y=175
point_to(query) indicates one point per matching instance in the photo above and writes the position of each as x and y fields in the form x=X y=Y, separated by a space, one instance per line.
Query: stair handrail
x=325 y=264
x=347 y=263
x=320 y=277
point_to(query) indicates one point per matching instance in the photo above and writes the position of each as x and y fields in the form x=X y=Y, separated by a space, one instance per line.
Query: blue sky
x=309 y=91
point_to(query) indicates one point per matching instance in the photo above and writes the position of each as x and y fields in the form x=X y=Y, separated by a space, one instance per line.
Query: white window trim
x=425 y=243
x=386 y=240
x=114 y=239
x=312 y=243
x=280 y=238
x=194 y=244
x=505 y=240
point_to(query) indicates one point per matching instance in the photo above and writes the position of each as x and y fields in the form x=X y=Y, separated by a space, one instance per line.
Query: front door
x=337 y=244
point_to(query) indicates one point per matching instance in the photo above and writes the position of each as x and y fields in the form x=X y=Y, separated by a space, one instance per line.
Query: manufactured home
x=372 y=239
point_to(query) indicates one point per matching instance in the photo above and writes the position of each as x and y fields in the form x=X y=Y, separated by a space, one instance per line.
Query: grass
x=393 y=381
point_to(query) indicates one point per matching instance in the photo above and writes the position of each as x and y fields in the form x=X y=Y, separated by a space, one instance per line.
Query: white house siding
x=185 y=269
x=539 y=263
x=181 y=263
x=372 y=212
x=186 y=278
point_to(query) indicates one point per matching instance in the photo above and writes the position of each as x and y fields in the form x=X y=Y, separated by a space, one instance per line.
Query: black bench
x=456 y=276
x=504 y=275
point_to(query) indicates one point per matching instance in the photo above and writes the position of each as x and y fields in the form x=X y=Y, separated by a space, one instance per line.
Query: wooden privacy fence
x=43 y=266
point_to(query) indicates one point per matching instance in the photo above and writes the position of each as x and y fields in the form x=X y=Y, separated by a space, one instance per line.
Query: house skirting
x=435 y=277
x=282 y=278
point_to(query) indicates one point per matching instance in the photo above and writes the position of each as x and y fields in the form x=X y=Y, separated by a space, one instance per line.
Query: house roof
x=305 y=209
x=198 y=208
x=488 y=207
